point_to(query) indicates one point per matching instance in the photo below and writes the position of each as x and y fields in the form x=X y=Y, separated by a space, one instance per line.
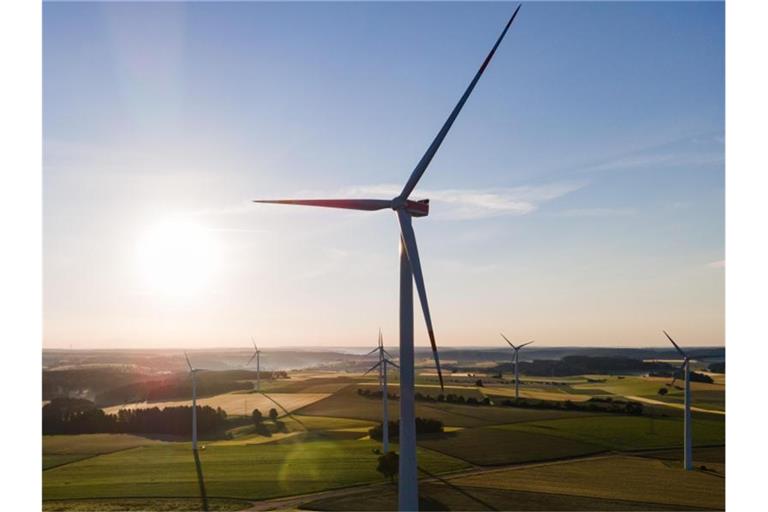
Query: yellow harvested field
x=237 y=403
x=254 y=439
x=536 y=394
x=615 y=477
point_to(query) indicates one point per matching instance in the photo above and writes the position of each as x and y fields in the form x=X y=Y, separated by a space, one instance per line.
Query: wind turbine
x=257 y=355
x=410 y=271
x=687 y=437
x=193 y=373
x=517 y=365
x=382 y=366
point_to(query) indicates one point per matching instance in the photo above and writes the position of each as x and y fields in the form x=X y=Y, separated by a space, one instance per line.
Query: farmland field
x=59 y=450
x=347 y=404
x=248 y=472
x=626 y=432
x=616 y=478
x=237 y=403
x=322 y=445
x=493 y=446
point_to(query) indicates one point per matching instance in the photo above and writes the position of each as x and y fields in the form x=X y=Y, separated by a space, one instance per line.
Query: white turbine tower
x=198 y=467
x=257 y=356
x=193 y=374
x=410 y=271
x=687 y=435
x=517 y=365
x=382 y=366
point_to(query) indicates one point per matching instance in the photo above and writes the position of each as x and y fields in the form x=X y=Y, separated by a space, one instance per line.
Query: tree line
x=423 y=426
x=80 y=416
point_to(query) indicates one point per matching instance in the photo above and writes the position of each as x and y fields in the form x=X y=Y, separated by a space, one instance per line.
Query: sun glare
x=176 y=258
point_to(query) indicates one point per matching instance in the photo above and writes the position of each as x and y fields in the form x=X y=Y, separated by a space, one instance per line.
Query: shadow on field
x=201 y=480
x=485 y=505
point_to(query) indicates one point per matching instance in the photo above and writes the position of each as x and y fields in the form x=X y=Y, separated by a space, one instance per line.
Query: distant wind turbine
x=193 y=373
x=382 y=366
x=257 y=355
x=410 y=271
x=517 y=364
x=687 y=435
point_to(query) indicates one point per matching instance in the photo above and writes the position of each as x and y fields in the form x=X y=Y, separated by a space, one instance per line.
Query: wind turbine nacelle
x=417 y=208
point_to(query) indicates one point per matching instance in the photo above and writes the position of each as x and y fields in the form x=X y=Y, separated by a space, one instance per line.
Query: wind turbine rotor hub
x=415 y=208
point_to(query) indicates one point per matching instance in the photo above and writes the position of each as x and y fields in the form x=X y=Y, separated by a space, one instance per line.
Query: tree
x=479 y=383
x=388 y=465
x=257 y=417
x=273 y=414
x=663 y=391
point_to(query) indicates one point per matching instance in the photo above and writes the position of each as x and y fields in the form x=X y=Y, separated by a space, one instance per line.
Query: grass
x=627 y=432
x=494 y=446
x=237 y=403
x=142 y=504
x=440 y=496
x=348 y=404
x=616 y=478
x=63 y=449
x=246 y=472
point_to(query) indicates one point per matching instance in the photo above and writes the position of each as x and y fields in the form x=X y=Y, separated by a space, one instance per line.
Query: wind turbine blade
x=187 y=358
x=679 y=370
x=524 y=344
x=254 y=344
x=427 y=158
x=372 y=368
x=372 y=351
x=412 y=251
x=390 y=355
x=391 y=363
x=251 y=360
x=347 y=204
x=675 y=344
x=510 y=343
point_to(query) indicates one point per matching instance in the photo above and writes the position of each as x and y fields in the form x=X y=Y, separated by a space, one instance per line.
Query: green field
x=493 y=446
x=627 y=432
x=617 y=478
x=143 y=504
x=248 y=472
x=58 y=450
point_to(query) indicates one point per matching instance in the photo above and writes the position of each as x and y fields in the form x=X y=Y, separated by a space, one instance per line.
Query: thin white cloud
x=596 y=212
x=467 y=204
x=716 y=264
x=688 y=152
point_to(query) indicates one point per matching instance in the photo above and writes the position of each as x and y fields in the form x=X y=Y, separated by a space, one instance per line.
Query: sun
x=176 y=258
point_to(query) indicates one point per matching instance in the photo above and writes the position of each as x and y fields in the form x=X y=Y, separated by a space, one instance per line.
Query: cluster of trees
x=80 y=416
x=718 y=367
x=693 y=376
x=423 y=426
x=261 y=428
x=389 y=465
x=376 y=394
x=452 y=398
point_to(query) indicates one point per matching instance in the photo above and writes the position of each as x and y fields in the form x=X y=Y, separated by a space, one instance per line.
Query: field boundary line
x=88 y=457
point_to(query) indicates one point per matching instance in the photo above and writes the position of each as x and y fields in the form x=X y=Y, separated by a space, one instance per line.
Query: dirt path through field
x=674 y=406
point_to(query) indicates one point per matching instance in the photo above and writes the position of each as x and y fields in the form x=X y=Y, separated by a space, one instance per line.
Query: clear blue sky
x=578 y=198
